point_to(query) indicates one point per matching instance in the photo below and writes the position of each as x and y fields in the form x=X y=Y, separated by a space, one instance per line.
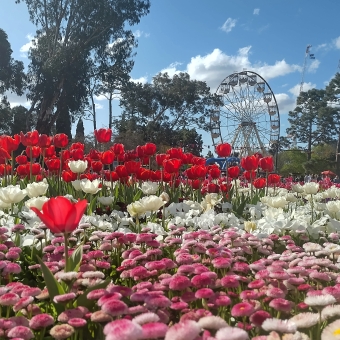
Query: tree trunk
x=110 y=111
x=337 y=155
x=94 y=118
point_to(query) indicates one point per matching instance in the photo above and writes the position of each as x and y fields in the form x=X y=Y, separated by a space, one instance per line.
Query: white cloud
x=228 y=25
x=139 y=33
x=285 y=103
x=337 y=43
x=211 y=66
x=256 y=11
x=142 y=80
x=171 y=70
x=313 y=66
x=16 y=100
x=295 y=90
x=99 y=106
x=25 y=48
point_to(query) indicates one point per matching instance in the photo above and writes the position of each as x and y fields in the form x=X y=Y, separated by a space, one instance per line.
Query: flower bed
x=91 y=252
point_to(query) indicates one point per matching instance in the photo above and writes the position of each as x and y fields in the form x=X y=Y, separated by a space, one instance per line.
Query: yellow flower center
x=336 y=332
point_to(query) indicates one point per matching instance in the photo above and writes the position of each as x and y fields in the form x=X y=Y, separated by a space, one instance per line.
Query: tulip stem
x=66 y=251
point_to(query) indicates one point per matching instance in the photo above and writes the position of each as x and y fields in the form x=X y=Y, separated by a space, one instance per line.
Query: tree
x=309 y=122
x=291 y=162
x=323 y=157
x=171 y=103
x=80 y=131
x=333 y=97
x=68 y=34
x=12 y=75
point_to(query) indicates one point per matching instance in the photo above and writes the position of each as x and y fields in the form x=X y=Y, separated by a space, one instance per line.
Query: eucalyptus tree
x=177 y=103
x=12 y=76
x=69 y=32
x=310 y=120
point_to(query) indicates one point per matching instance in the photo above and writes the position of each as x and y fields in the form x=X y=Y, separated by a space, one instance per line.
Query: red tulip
x=187 y=158
x=130 y=155
x=60 y=215
x=53 y=164
x=36 y=168
x=213 y=188
x=4 y=154
x=214 y=171
x=175 y=153
x=132 y=166
x=223 y=150
x=118 y=149
x=9 y=143
x=21 y=159
x=274 y=179
x=140 y=151
x=45 y=141
x=249 y=163
x=65 y=155
x=196 y=172
x=111 y=176
x=60 y=140
x=5 y=169
x=233 y=172
x=259 y=183
x=22 y=170
x=224 y=187
x=121 y=171
x=107 y=157
x=95 y=155
x=97 y=166
x=68 y=176
x=103 y=135
x=77 y=154
x=30 y=138
x=33 y=150
x=198 y=161
x=267 y=164
x=49 y=151
x=249 y=175
x=172 y=165
x=143 y=174
x=195 y=184
x=160 y=158
x=77 y=145
x=149 y=149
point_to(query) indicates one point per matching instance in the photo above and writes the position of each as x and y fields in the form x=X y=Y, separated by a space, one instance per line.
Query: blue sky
x=211 y=39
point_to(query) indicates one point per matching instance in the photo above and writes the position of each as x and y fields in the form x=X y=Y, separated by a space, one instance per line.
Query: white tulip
x=149 y=188
x=36 y=189
x=90 y=187
x=76 y=184
x=135 y=209
x=77 y=166
x=12 y=194
x=297 y=188
x=311 y=188
x=36 y=202
x=152 y=203
x=105 y=200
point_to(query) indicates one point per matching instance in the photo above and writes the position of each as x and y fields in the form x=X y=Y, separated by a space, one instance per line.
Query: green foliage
x=179 y=101
x=70 y=34
x=291 y=162
x=12 y=75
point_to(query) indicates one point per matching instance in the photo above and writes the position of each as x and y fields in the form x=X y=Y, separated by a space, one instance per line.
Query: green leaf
x=137 y=195
x=53 y=286
x=75 y=259
x=84 y=301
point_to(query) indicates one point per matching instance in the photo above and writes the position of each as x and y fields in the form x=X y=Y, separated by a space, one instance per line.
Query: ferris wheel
x=249 y=117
